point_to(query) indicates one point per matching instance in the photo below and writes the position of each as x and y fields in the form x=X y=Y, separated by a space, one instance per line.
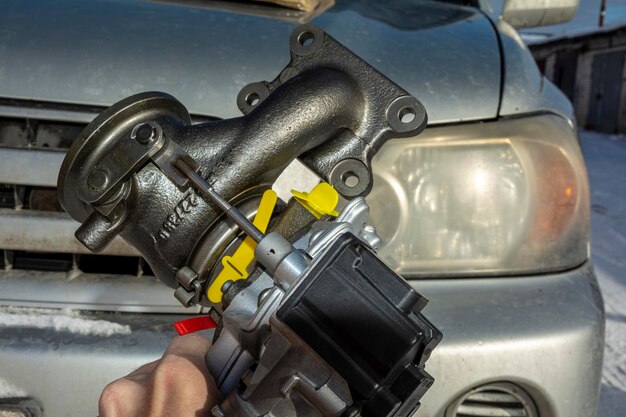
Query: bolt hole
x=272 y=251
x=406 y=115
x=253 y=99
x=350 y=179
x=306 y=39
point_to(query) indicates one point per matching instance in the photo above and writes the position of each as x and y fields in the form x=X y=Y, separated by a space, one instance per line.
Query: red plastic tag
x=194 y=324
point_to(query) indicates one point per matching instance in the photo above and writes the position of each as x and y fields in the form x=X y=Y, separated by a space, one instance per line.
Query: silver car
x=487 y=212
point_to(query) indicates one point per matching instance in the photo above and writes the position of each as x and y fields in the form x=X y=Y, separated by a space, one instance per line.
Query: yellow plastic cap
x=235 y=267
x=320 y=200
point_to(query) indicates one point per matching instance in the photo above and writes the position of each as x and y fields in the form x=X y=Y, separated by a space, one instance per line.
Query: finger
x=143 y=371
x=180 y=387
x=191 y=344
x=123 y=398
x=192 y=347
x=181 y=383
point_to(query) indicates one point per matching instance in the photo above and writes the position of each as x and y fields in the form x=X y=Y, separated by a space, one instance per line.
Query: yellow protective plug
x=320 y=200
x=235 y=267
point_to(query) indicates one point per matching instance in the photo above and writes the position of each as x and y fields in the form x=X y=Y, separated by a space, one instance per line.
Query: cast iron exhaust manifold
x=327 y=107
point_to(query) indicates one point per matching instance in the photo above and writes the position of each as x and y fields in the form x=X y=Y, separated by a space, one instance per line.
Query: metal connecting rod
x=206 y=190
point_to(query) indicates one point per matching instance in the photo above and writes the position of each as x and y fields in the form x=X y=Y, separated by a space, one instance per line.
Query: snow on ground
x=60 y=320
x=606 y=162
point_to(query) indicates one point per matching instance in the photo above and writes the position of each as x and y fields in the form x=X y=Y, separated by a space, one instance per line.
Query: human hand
x=178 y=384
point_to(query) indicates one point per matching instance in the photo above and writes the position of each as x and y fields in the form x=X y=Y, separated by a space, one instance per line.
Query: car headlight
x=509 y=196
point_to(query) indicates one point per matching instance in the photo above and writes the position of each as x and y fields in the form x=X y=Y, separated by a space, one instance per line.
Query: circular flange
x=306 y=39
x=251 y=95
x=406 y=115
x=102 y=134
x=350 y=177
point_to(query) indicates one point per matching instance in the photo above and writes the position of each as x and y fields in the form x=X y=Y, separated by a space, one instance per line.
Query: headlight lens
x=510 y=196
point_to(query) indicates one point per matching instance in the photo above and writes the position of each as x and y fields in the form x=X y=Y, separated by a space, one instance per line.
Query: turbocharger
x=189 y=197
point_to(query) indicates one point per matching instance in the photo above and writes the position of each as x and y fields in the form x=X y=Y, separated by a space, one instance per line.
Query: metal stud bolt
x=97 y=180
x=146 y=133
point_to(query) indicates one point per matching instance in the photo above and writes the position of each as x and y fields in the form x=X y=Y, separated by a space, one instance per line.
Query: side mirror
x=532 y=13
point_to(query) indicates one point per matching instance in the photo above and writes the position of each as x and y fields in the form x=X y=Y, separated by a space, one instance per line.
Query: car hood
x=97 y=53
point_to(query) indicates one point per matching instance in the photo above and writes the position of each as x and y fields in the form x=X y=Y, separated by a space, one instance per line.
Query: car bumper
x=544 y=333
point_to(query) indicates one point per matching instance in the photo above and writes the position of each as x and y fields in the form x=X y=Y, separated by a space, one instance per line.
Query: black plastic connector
x=364 y=320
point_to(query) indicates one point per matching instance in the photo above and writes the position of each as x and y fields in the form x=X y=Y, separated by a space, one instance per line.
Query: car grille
x=494 y=400
x=39 y=254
